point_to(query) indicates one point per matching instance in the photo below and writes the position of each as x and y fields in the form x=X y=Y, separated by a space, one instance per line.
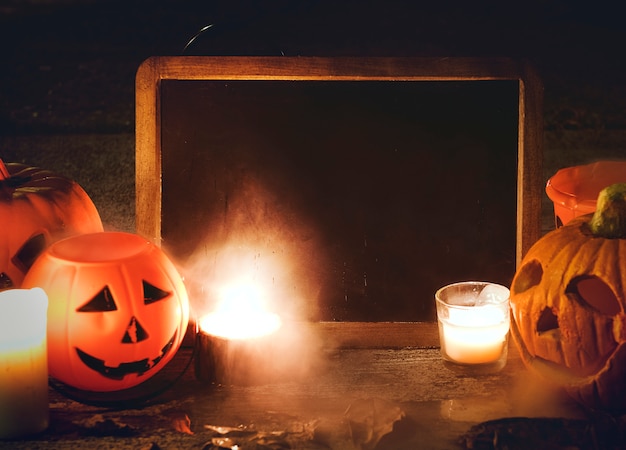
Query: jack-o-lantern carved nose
x=548 y=322
x=134 y=332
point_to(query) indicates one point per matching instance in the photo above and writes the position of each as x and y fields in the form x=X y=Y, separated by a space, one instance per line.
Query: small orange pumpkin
x=117 y=309
x=37 y=207
x=568 y=301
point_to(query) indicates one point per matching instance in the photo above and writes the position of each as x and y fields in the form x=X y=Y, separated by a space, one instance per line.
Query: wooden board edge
x=530 y=160
x=148 y=152
x=380 y=335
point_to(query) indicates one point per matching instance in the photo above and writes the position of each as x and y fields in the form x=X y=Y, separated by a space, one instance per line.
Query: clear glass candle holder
x=473 y=319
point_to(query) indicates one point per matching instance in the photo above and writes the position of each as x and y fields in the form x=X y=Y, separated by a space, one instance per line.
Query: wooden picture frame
x=149 y=125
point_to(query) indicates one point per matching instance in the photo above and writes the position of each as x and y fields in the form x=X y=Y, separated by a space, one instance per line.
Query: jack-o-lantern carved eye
x=24 y=258
x=101 y=302
x=28 y=253
x=529 y=275
x=594 y=292
x=152 y=294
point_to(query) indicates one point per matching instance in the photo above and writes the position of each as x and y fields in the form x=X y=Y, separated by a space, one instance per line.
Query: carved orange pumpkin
x=118 y=309
x=568 y=300
x=37 y=207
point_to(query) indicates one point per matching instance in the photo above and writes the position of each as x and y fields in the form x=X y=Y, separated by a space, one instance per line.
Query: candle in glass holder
x=23 y=362
x=237 y=340
x=473 y=320
x=237 y=348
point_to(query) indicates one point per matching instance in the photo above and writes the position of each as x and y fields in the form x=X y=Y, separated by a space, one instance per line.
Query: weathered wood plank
x=438 y=405
x=378 y=334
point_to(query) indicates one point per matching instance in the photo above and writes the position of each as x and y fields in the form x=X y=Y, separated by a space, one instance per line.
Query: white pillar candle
x=24 y=405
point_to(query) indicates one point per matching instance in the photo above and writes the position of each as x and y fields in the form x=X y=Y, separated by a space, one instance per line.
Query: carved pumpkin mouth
x=561 y=374
x=126 y=368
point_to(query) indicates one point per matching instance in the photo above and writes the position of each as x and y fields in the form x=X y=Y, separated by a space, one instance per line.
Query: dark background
x=68 y=67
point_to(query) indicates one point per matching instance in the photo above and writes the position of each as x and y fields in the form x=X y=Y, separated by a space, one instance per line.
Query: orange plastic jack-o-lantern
x=568 y=301
x=37 y=207
x=118 y=309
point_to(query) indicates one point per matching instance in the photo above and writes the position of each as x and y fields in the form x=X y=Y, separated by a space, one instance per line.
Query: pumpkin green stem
x=609 y=220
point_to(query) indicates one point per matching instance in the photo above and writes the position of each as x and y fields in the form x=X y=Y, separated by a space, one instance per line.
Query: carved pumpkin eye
x=101 y=302
x=152 y=294
x=594 y=292
x=28 y=253
x=529 y=275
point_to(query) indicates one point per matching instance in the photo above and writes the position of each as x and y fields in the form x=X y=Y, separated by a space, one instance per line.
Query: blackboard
x=350 y=188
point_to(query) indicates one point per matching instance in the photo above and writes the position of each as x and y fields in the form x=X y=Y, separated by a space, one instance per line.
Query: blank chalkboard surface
x=349 y=188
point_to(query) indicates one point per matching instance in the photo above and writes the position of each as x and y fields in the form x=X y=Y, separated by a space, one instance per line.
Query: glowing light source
x=241 y=314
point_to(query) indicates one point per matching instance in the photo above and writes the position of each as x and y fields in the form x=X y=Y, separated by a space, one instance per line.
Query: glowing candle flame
x=241 y=314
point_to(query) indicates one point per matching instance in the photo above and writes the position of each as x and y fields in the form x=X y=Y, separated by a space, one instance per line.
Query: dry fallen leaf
x=371 y=419
x=182 y=423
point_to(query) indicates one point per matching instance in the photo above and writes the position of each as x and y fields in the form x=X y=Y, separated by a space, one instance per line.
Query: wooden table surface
x=356 y=398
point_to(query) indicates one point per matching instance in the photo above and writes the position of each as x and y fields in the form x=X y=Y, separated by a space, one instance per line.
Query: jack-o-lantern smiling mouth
x=135 y=367
x=555 y=370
